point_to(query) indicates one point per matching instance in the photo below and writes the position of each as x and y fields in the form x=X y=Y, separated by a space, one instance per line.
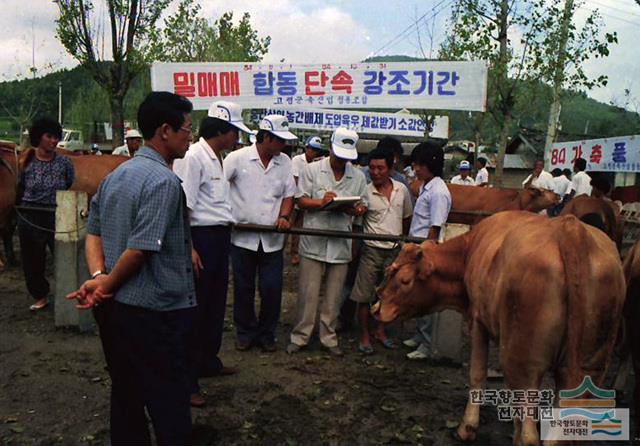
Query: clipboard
x=340 y=201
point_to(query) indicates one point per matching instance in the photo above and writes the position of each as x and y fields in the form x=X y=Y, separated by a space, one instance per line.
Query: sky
x=329 y=31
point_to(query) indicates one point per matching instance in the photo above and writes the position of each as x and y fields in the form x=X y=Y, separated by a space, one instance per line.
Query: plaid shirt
x=140 y=205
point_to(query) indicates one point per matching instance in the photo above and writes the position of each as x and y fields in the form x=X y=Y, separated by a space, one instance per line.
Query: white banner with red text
x=617 y=154
x=415 y=85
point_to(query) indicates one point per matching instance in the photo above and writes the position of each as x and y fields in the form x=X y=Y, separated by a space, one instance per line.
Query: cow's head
x=405 y=292
x=535 y=200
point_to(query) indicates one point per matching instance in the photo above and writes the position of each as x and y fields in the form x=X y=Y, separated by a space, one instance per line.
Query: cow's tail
x=571 y=237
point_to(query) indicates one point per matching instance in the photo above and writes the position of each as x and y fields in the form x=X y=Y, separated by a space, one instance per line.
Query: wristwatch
x=283 y=216
x=97 y=273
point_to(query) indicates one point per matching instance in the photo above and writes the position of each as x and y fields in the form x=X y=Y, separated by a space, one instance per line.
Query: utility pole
x=558 y=77
x=60 y=102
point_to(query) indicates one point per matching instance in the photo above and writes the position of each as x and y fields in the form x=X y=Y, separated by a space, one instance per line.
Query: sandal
x=387 y=343
x=40 y=306
x=365 y=349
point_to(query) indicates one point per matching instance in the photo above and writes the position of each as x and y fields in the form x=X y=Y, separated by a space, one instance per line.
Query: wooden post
x=70 y=264
x=447 y=324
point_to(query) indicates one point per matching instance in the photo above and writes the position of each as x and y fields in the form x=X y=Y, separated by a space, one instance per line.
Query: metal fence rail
x=327 y=233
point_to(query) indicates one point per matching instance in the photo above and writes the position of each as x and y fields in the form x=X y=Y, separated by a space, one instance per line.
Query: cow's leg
x=477 y=377
x=521 y=374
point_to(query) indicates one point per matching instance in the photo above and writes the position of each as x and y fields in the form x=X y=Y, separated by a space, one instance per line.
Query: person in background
x=539 y=178
x=207 y=196
x=389 y=212
x=138 y=250
x=562 y=187
x=395 y=146
x=463 y=178
x=261 y=192
x=600 y=188
x=133 y=141
x=581 y=182
x=38 y=183
x=312 y=152
x=482 y=177
x=320 y=183
x=430 y=213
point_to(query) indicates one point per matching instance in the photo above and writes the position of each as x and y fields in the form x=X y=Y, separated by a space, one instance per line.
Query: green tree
x=187 y=37
x=487 y=29
x=130 y=23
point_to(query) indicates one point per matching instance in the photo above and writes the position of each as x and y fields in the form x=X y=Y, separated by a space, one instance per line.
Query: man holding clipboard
x=332 y=192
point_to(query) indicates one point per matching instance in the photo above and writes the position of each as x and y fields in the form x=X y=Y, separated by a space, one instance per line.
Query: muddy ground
x=54 y=389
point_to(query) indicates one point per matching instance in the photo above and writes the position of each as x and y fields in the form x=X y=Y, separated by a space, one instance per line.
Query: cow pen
x=56 y=388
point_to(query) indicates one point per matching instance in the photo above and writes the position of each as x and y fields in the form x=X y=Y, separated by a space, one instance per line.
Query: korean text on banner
x=617 y=154
x=399 y=124
x=427 y=85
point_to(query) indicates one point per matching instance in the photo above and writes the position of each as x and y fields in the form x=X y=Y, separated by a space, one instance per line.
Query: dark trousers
x=33 y=244
x=213 y=244
x=145 y=354
x=348 y=307
x=269 y=269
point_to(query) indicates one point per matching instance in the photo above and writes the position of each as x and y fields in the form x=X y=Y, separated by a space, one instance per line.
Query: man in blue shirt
x=138 y=250
x=430 y=213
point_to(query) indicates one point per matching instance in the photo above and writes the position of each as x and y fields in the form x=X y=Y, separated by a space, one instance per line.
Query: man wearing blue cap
x=312 y=152
x=463 y=179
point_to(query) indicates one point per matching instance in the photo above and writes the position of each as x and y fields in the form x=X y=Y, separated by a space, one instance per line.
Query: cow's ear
x=426 y=269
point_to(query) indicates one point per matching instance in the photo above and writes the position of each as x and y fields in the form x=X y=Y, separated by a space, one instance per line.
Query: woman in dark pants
x=47 y=173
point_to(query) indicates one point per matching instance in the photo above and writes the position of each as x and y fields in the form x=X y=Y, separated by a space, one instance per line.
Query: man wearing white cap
x=261 y=191
x=133 y=141
x=207 y=196
x=463 y=178
x=319 y=185
x=312 y=152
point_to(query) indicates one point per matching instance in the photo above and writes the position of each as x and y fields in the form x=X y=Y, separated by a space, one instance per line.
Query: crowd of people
x=160 y=245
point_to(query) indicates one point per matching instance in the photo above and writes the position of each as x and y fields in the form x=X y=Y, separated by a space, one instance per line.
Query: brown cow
x=607 y=210
x=490 y=200
x=8 y=169
x=550 y=292
x=631 y=267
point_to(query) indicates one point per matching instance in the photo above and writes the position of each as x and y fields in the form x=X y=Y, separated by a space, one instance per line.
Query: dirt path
x=54 y=390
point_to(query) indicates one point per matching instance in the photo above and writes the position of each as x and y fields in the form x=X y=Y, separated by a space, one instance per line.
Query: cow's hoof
x=466 y=432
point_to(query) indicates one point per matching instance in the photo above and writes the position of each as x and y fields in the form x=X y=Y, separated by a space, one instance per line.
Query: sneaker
x=417 y=354
x=335 y=351
x=410 y=343
x=293 y=348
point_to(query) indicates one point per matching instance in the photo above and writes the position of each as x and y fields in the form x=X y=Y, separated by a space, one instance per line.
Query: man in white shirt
x=562 y=187
x=430 y=213
x=261 y=192
x=539 y=178
x=207 y=195
x=482 y=177
x=133 y=141
x=463 y=178
x=581 y=180
x=320 y=183
x=312 y=151
x=389 y=212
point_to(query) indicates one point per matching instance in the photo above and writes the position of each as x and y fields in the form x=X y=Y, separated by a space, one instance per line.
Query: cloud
x=314 y=34
x=30 y=25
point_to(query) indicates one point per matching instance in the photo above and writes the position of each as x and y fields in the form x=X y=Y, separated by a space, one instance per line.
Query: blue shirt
x=141 y=205
x=431 y=209
x=42 y=179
